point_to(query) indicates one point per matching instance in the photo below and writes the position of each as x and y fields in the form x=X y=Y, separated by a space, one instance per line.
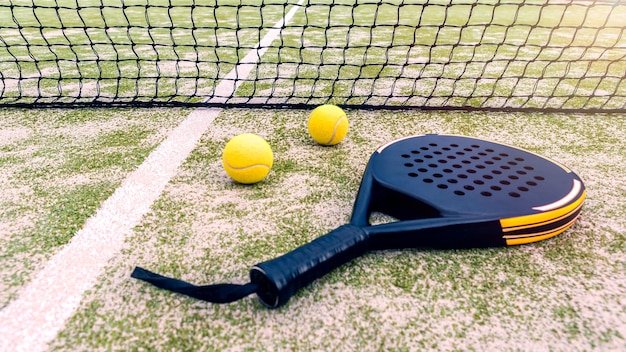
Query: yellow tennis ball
x=247 y=158
x=328 y=124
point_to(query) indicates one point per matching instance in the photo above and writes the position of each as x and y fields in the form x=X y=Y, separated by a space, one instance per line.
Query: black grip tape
x=282 y=277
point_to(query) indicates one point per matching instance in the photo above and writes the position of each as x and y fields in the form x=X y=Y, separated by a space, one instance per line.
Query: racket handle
x=282 y=277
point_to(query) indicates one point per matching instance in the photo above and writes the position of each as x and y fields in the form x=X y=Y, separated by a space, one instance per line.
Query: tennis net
x=432 y=54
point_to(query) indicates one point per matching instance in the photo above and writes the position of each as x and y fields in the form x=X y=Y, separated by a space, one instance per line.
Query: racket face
x=430 y=176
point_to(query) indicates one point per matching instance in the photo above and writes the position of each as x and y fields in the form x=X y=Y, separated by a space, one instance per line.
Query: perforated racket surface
x=432 y=176
x=445 y=191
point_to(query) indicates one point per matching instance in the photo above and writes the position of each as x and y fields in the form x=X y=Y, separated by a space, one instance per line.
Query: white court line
x=34 y=319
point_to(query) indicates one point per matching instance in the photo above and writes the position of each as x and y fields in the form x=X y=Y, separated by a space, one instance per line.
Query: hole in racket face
x=474 y=168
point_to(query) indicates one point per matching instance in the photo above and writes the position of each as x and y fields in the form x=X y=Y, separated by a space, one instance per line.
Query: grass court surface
x=58 y=167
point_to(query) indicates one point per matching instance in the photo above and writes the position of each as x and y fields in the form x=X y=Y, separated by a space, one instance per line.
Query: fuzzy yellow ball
x=328 y=124
x=247 y=158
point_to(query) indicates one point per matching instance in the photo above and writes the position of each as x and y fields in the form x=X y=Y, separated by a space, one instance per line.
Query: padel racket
x=445 y=191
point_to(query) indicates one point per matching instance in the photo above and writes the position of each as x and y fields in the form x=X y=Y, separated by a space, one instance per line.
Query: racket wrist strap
x=218 y=293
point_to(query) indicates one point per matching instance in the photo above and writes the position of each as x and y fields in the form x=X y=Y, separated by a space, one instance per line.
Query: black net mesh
x=439 y=54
